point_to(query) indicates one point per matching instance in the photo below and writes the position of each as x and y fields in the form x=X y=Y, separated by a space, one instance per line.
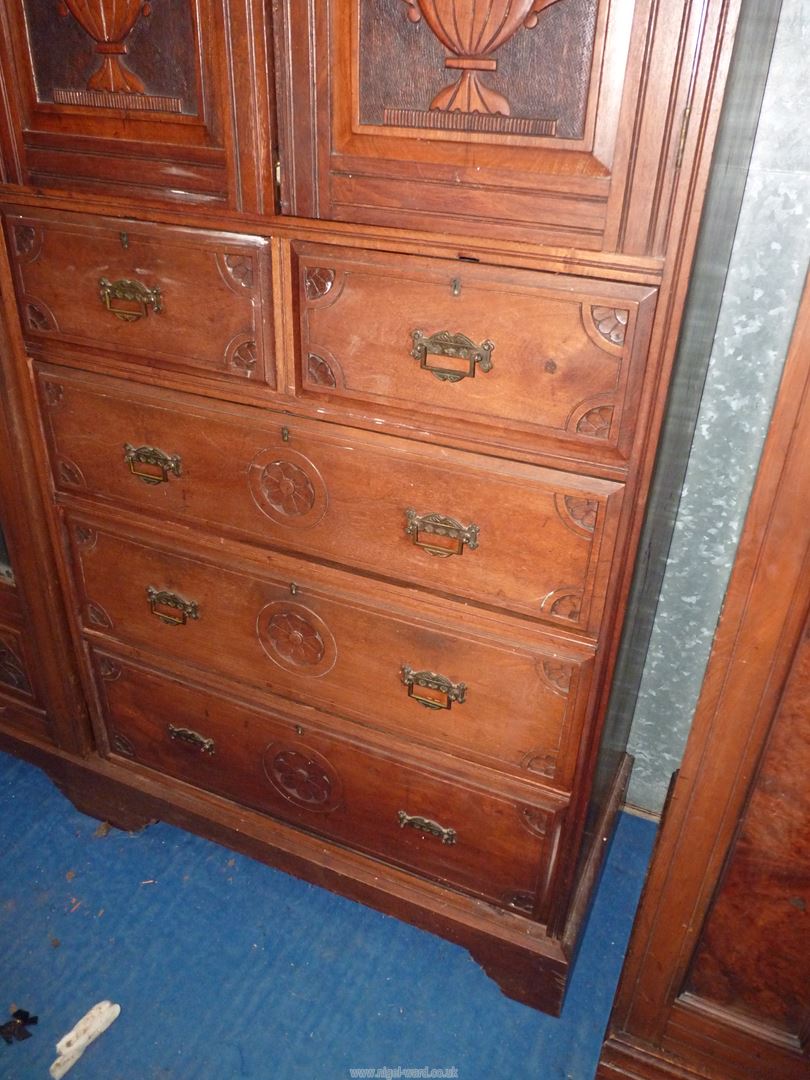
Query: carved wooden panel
x=101 y=54
x=490 y=68
x=556 y=121
x=132 y=96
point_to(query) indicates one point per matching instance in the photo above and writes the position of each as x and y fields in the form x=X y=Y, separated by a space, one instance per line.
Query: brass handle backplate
x=150 y=464
x=432 y=690
x=170 y=608
x=425 y=825
x=439 y=535
x=191 y=738
x=129 y=300
x=451 y=346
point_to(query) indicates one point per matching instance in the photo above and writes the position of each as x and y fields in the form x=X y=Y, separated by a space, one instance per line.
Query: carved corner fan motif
x=472 y=33
x=112 y=85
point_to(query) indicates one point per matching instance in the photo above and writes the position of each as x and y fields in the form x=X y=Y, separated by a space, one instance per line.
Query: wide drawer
x=372 y=800
x=516 y=536
x=157 y=295
x=516 y=357
x=487 y=688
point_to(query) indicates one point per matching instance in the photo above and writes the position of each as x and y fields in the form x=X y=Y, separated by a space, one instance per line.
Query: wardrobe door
x=132 y=98
x=510 y=117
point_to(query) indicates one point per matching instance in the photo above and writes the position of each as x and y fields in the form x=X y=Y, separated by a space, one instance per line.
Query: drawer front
x=528 y=539
x=390 y=659
x=369 y=800
x=517 y=356
x=153 y=294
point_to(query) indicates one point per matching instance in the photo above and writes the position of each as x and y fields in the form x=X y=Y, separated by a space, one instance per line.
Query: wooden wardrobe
x=338 y=342
x=717 y=979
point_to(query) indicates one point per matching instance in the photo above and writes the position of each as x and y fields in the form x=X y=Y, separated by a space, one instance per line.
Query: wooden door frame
x=656 y=1030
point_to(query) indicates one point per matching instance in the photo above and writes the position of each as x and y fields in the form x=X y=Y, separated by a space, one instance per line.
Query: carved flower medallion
x=303 y=776
x=297 y=639
x=287 y=488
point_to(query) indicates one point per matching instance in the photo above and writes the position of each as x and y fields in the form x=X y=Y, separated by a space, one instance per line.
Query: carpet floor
x=225 y=968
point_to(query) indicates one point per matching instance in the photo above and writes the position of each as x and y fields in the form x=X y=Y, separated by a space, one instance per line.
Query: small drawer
x=531 y=540
x=518 y=358
x=155 y=295
x=366 y=797
x=485 y=687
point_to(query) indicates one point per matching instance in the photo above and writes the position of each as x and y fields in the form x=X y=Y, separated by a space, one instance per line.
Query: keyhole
x=455 y=286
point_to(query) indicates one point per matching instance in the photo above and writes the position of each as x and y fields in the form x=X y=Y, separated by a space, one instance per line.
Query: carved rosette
x=27 y=242
x=296 y=639
x=611 y=323
x=319 y=371
x=287 y=488
x=593 y=421
x=121 y=744
x=98 y=617
x=86 y=537
x=303 y=777
x=69 y=473
x=558 y=675
x=38 y=318
x=12 y=669
x=239 y=270
x=535 y=820
x=544 y=764
x=108 y=669
x=578 y=514
x=54 y=393
x=318 y=282
x=242 y=355
x=565 y=604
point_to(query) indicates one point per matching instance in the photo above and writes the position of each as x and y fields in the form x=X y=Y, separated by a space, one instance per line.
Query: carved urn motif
x=472 y=32
x=109 y=23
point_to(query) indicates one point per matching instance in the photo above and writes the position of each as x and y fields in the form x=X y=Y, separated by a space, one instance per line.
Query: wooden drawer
x=528 y=539
x=201 y=301
x=494 y=845
x=516 y=357
x=482 y=686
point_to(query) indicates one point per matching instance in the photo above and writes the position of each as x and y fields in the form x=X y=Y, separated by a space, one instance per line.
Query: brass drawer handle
x=439 y=535
x=150 y=464
x=432 y=690
x=127 y=292
x=425 y=825
x=170 y=608
x=191 y=738
x=455 y=346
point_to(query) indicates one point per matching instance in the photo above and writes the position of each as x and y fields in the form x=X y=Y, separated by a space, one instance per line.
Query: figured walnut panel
x=753 y=955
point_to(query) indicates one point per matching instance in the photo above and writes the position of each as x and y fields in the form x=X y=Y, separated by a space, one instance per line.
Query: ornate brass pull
x=425 y=825
x=191 y=738
x=452 y=346
x=170 y=608
x=133 y=298
x=439 y=535
x=432 y=690
x=150 y=464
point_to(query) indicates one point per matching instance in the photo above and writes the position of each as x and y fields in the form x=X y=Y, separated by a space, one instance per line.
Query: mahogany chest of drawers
x=340 y=396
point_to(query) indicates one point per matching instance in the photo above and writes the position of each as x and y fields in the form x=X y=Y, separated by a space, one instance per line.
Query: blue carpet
x=225 y=968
